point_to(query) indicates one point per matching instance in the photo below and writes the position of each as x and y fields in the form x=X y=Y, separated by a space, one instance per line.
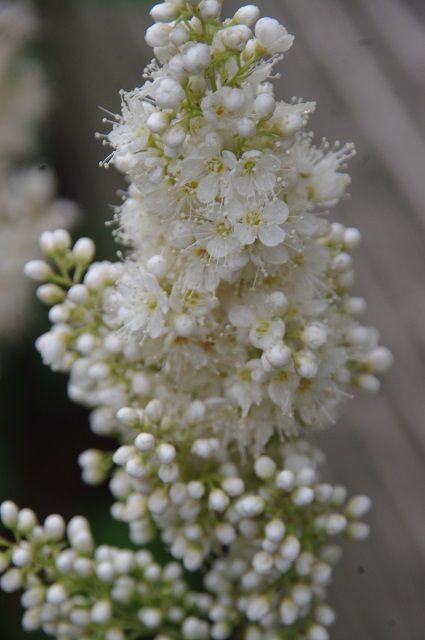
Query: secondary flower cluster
x=27 y=203
x=226 y=333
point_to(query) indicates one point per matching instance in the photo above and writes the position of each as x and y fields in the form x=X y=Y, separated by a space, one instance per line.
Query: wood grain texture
x=364 y=63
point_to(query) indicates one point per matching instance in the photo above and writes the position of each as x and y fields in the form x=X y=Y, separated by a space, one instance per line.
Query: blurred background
x=364 y=63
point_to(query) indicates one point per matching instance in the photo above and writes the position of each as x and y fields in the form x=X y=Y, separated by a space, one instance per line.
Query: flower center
x=250 y=166
x=222 y=229
x=215 y=165
x=151 y=303
x=253 y=218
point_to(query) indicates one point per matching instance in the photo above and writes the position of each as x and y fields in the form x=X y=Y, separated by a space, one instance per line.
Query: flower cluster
x=27 y=203
x=226 y=333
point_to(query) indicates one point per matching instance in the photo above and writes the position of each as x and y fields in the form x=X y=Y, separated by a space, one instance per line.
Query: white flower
x=254 y=174
x=143 y=302
x=261 y=222
x=265 y=333
x=273 y=36
x=218 y=236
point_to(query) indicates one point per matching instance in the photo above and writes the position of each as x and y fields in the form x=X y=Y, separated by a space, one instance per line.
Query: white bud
x=31 y=620
x=195 y=489
x=193 y=559
x=285 y=480
x=368 y=382
x=150 y=617
x=250 y=506
x=168 y=473
x=79 y=294
x=301 y=595
x=210 y=9
x=127 y=416
x=235 y=38
x=105 y=571
x=233 y=486
x=342 y=262
x=325 y=615
x=165 y=12
x=101 y=612
x=166 y=453
x=157 y=35
x=288 y=612
x=85 y=343
x=358 y=506
x=157 y=265
x=59 y=314
x=38 y=270
x=21 y=556
x=158 y=502
x=99 y=371
x=144 y=442
x=306 y=364
x=65 y=561
x=84 y=250
x=158 y=122
x=358 y=530
x=154 y=410
x=54 y=527
x=314 y=335
x=11 y=581
x=278 y=301
x=56 y=594
x=264 y=106
x=196 y=411
x=218 y=500
x=82 y=541
x=264 y=467
x=246 y=127
x=352 y=237
x=225 y=533
x=336 y=523
x=380 y=359
x=322 y=573
x=303 y=496
x=258 y=607
x=27 y=520
x=275 y=530
x=9 y=513
x=179 y=34
x=263 y=562
x=317 y=632
x=355 y=306
x=50 y=293
x=141 y=384
x=175 y=137
x=168 y=93
x=196 y=57
x=247 y=15
x=290 y=548
x=195 y=629
x=122 y=455
x=278 y=356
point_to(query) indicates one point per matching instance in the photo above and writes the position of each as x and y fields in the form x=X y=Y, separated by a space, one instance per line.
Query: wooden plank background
x=364 y=63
